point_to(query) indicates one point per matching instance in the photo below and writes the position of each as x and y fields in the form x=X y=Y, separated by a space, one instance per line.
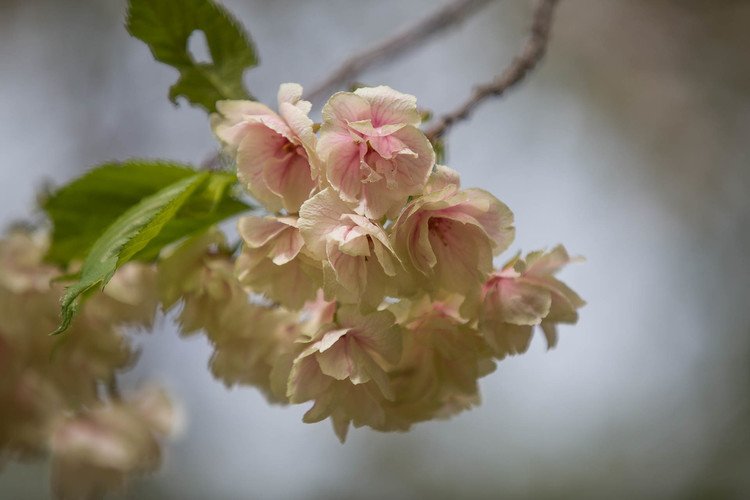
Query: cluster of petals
x=275 y=153
x=344 y=365
x=101 y=448
x=374 y=152
x=50 y=398
x=443 y=358
x=367 y=290
x=449 y=236
x=358 y=260
x=198 y=279
x=273 y=261
x=381 y=305
x=525 y=293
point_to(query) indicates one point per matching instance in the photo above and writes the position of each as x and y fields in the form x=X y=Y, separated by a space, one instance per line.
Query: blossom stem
x=531 y=53
x=397 y=45
x=113 y=389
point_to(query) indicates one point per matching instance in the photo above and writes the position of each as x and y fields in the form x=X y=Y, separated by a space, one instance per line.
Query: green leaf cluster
x=122 y=212
x=166 y=26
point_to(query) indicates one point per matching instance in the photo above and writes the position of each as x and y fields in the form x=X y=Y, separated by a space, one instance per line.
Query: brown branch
x=113 y=389
x=397 y=45
x=531 y=53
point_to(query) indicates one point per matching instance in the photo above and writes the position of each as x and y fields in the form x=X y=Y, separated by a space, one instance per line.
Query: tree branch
x=113 y=389
x=531 y=53
x=398 y=45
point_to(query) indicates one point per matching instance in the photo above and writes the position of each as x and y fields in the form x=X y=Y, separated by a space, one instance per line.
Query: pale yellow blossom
x=275 y=153
x=523 y=294
x=274 y=262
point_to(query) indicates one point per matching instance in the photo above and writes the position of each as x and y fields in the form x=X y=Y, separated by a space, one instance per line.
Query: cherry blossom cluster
x=53 y=397
x=367 y=289
x=379 y=301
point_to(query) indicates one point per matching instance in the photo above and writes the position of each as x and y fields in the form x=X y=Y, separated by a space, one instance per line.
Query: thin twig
x=113 y=389
x=531 y=53
x=397 y=45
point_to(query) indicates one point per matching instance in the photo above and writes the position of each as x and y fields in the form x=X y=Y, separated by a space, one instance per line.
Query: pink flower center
x=291 y=148
x=440 y=227
x=374 y=167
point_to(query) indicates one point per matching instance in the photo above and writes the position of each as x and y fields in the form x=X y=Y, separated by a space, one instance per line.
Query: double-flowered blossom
x=98 y=449
x=29 y=307
x=373 y=151
x=525 y=293
x=273 y=261
x=343 y=368
x=368 y=288
x=359 y=263
x=449 y=236
x=248 y=356
x=198 y=277
x=388 y=262
x=275 y=153
x=51 y=398
x=443 y=357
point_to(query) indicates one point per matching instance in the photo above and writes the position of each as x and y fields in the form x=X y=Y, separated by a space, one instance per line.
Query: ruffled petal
x=390 y=106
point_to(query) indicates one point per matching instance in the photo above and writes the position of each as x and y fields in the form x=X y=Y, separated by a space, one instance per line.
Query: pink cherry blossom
x=448 y=237
x=273 y=261
x=443 y=357
x=523 y=294
x=358 y=261
x=373 y=152
x=344 y=368
x=248 y=355
x=275 y=153
x=101 y=447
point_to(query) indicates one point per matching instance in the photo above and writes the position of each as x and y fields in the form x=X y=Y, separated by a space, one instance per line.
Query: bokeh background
x=631 y=145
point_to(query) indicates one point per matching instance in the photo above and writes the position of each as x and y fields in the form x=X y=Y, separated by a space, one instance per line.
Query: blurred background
x=630 y=145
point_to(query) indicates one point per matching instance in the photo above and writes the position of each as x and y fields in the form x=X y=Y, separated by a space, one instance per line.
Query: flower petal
x=390 y=106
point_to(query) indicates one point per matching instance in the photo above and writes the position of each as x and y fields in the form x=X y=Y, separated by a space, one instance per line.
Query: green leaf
x=209 y=205
x=82 y=210
x=166 y=25
x=130 y=234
